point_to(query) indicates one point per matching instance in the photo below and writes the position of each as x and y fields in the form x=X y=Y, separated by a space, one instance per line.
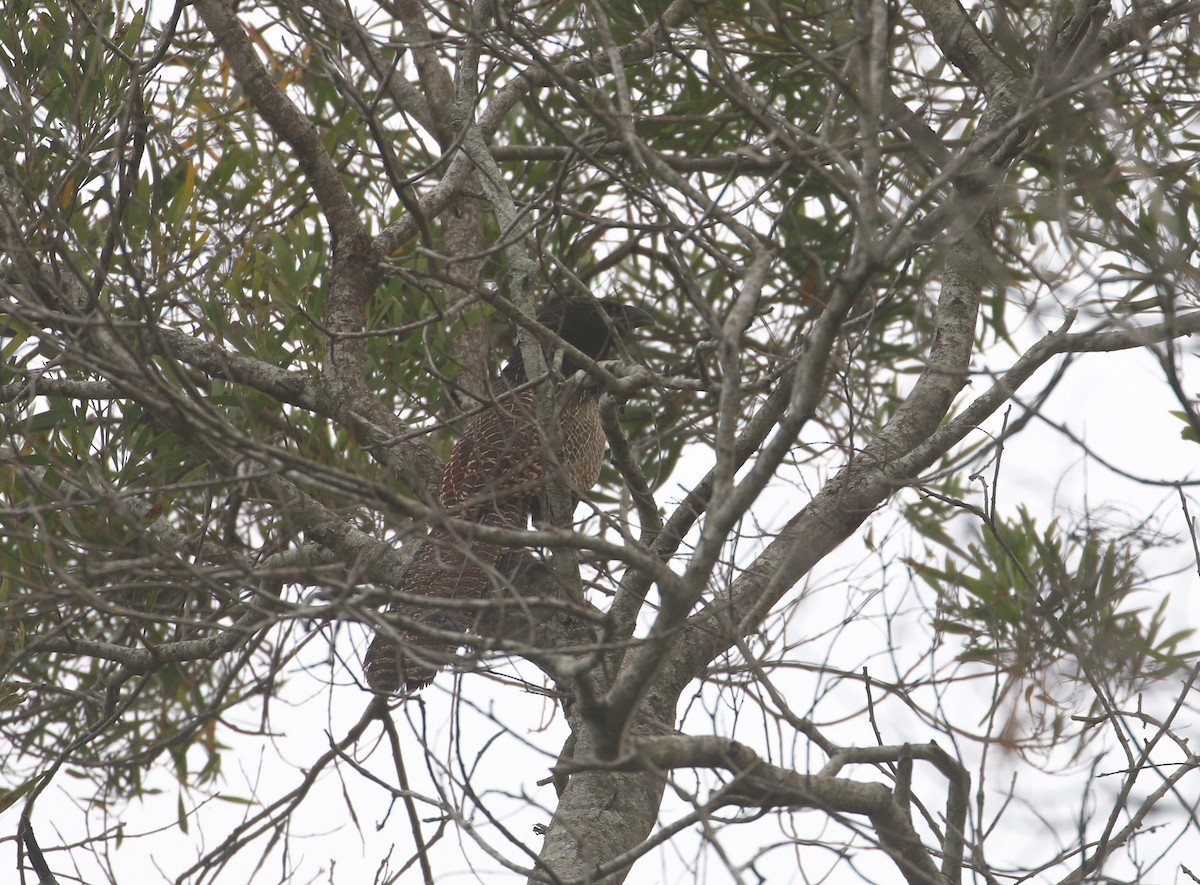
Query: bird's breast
x=583 y=441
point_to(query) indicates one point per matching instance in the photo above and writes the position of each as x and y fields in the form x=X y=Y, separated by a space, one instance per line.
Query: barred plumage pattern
x=497 y=471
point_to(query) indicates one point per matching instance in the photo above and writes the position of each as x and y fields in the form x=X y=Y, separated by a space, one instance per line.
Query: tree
x=260 y=260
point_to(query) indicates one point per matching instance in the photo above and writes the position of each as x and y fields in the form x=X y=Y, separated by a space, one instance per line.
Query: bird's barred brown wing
x=496 y=470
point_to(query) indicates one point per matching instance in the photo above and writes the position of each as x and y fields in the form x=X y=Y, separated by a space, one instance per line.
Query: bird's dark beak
x=635 y=317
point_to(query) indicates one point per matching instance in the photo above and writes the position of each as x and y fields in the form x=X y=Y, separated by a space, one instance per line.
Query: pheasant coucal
x=497 y=476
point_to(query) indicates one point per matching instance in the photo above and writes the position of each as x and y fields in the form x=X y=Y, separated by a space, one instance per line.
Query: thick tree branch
x=761 y=785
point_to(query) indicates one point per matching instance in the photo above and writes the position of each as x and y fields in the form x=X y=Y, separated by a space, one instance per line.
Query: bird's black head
x=588 y=324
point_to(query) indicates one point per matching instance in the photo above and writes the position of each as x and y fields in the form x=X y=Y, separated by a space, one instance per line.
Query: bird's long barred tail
x=405 y=657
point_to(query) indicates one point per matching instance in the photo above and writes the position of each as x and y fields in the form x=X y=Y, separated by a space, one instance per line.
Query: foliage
x=257 y=261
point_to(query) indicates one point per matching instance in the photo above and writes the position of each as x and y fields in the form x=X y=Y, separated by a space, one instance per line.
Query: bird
x=498 y=475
